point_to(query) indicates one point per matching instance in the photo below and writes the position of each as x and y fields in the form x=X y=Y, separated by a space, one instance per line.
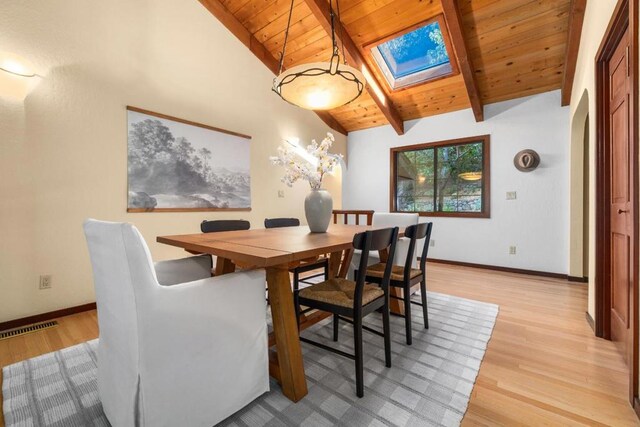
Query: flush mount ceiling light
x=319 y=85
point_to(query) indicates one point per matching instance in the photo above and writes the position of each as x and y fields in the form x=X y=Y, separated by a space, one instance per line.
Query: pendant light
x=471 y=176
x=319 y=85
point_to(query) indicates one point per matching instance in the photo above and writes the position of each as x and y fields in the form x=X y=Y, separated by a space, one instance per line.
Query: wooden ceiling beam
x=454 y=21
x=576 y=19
x=217 y=9
x=320 y=9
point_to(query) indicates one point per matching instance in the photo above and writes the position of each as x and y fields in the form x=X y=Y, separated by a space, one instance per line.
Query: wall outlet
x=45 y=281
x=512 y=250
x=432 y=243
x=511 y=195
x=281 y=194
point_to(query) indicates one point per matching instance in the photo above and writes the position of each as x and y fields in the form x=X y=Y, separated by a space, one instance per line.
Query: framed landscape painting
x=175 y=165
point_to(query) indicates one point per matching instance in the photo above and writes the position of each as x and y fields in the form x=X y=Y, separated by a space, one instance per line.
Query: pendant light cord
x=286 y=37
x=344 y=57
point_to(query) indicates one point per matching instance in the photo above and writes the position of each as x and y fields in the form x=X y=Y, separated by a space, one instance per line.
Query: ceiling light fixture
x=319 y=85
x=471 y=176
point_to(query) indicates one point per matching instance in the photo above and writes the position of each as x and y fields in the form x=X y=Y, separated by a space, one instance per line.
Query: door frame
x=624 y=16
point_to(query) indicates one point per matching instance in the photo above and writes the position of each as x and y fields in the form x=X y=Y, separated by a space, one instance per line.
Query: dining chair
x=404 y=277
x=312 y=265
x=172 y=349
x=218 y=225
x=384 y=220
x=281 y=222
x=351 y=301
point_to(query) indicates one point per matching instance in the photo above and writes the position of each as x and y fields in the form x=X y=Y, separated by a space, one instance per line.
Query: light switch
x=511 y=195
x=281 y=194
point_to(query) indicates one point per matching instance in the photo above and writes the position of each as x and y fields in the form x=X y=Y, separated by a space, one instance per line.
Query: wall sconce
x=17 y=76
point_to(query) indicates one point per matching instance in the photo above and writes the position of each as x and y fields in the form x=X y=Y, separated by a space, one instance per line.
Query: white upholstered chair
x=177 y=347
x=387 y=219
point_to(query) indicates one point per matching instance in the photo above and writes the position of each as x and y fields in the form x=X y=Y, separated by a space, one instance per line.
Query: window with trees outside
x=446 y=178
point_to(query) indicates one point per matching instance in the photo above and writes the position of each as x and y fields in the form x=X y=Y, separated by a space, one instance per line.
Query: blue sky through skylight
x=415 y=51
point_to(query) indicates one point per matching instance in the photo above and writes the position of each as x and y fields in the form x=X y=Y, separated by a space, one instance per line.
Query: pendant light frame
x=337 y=65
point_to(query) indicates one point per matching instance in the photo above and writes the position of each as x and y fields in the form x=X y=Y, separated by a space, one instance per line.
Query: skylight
x=413 y=57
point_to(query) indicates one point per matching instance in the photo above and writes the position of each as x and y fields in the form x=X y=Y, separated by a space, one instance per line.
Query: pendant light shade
x=315 y=87
x=319 y=85
x=471 y=176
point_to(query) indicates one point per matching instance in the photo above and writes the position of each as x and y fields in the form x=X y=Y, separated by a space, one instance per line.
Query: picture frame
x=177 y=165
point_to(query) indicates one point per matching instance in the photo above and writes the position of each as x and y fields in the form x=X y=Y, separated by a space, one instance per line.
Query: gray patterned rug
x=430 y=382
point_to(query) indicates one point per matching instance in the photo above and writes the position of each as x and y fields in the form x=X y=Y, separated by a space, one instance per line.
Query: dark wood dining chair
x=281 y=222
x=219 y=225
x=305 y=267
x=407 y=276
x=351 y=301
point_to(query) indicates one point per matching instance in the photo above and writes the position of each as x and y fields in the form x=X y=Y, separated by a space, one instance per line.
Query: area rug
x=429 y=384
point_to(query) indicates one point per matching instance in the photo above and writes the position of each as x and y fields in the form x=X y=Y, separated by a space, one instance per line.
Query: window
x=446 y=178
x=415 y=55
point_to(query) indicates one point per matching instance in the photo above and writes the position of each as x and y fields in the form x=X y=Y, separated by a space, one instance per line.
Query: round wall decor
x=526 y=160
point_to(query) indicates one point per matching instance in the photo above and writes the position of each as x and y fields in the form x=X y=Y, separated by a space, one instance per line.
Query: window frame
x=486 y=175
x=453 y=59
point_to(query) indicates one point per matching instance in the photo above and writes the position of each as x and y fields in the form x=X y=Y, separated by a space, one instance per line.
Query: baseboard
x=590 y=321
x=498 y=268
x=16 y=323
x=578 y=279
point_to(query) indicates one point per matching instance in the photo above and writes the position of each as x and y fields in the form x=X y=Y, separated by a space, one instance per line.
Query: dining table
x=277 y=250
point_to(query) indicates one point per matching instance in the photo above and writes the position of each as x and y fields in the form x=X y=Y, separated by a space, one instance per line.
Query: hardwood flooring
x=543 y=365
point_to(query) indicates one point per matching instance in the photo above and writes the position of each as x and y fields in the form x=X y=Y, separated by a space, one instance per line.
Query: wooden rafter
x=320 y=9
x=217 y=9
x=454 y=22
x=576 y=18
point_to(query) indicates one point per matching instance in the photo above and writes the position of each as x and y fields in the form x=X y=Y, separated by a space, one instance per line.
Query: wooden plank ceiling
x=515 y=48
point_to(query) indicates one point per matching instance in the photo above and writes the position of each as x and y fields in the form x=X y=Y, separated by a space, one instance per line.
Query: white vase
x=318 y=206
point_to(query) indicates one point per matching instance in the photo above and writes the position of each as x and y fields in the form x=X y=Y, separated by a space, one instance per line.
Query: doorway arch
x=579 y=225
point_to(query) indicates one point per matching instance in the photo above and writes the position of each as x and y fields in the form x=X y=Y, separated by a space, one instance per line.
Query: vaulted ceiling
x=504 y=49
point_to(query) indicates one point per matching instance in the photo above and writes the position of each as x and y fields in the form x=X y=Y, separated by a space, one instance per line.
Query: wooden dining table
x=277 y=250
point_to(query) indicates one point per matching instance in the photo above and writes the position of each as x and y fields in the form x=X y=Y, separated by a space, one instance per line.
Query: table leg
x=224 y=266
x=335 y=259
x=285 y=328
x=346 y=262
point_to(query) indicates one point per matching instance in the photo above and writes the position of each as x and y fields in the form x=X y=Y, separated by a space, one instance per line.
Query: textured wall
x=63 y=151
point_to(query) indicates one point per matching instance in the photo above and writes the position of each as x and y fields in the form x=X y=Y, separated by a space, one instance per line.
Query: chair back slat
x=367 y=241
x=219 y=225
x=281 y=222
x=425 y=248
x=355 y=212
x=415 y=233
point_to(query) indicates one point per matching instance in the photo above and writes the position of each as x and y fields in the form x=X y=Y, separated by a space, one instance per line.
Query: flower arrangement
x=321 y=162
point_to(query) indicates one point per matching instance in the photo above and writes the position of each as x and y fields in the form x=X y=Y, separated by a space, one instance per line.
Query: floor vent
x=27 y=329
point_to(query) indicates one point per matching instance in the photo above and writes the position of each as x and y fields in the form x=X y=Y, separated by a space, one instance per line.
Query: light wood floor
x=543 y=365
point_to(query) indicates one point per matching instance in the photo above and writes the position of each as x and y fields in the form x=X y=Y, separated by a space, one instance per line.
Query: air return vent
x=27 y=329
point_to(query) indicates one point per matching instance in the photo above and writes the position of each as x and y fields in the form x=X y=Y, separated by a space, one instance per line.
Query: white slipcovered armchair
x=177 y=347
x=386 y=219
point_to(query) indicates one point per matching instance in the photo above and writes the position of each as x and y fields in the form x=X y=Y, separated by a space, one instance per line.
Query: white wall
x=536 y=222
x=63 y=151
